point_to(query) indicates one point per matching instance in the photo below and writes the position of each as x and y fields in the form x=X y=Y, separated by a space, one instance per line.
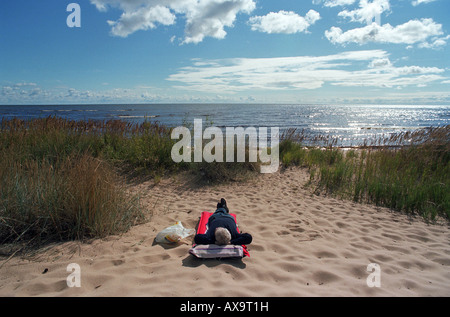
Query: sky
x=230 y=51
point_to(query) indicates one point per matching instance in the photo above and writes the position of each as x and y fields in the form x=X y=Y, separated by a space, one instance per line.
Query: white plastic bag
x=173 y=234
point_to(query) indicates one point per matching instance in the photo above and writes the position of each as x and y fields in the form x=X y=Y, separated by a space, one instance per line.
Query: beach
x=303 y=245
x=325 y=125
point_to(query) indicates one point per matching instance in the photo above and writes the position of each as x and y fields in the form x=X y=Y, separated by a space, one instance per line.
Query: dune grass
x=410 y=173
x=62 y=179
x=57 y=182
x=74 y=197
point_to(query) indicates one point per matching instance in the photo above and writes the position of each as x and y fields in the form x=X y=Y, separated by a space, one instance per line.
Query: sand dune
x=303 y=245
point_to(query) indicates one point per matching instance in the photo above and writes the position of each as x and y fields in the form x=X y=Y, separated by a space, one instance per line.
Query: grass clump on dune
x=411 y=173
x=73 y=197
x=63 y=179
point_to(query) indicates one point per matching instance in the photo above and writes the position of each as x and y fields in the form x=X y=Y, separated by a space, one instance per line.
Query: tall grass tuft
x=73 y=197
x=63 y=179
x=223 y=172
x=409 y=171
x=59 y=179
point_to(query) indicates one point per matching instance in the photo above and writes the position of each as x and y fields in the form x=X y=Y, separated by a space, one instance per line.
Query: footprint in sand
x=324 y=277
x=325 y=254
x=155 y=258
x=118 y=262
x=256 y=247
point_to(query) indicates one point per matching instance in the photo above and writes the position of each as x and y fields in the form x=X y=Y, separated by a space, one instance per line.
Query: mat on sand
x=208 y=251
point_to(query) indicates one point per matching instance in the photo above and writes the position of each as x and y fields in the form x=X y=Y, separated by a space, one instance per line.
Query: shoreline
x=304 y=245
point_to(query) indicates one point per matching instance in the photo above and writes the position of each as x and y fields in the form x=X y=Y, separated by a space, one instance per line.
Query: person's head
x=223 y=236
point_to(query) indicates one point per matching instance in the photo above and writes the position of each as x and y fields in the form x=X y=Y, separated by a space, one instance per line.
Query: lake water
x=351 y=123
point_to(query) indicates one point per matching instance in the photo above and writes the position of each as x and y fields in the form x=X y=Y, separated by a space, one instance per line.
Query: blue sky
x=284 y=51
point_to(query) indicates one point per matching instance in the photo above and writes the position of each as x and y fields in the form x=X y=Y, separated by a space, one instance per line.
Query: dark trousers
x=243 y=238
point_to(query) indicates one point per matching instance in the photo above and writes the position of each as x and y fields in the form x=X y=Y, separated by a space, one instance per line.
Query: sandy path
x=303 y=245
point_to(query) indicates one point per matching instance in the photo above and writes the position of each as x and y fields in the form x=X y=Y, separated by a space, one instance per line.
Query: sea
x=351 y=125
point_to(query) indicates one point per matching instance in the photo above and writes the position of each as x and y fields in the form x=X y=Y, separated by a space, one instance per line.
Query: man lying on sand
x=222 y=229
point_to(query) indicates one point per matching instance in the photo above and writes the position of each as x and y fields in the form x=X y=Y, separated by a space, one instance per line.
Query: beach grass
x=63 y=179
x=74 y=197
x=408 y=171
x=56 y=183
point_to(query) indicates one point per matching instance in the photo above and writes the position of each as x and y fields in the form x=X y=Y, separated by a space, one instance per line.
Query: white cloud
x=208 y=18
x=21 y=91
x=142 y=19
x=411 y=32
x=368 y=11
x=283 y=22
x=335 y=3
x=374 y=69
x=436 y=42
x=379 y=63
x=370 y=94
x=204 y=18
x=424 y=32
x=417 y=2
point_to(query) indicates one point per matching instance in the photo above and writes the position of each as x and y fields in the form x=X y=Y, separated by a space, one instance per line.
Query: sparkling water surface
x=351 y=124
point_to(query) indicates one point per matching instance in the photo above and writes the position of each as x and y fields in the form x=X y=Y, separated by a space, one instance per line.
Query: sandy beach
x=303 y=245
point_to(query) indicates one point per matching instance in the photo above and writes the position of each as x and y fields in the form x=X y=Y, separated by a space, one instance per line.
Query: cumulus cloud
x=204 y=18
x=31 y=93
x=21 y=91
x=380 y=63
x=208 y=18
x=143 y=19
x=411 y=32
x=301 y=72
x=424 y=32
x=368 y=11
x=283 y=22
x=435 y=43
